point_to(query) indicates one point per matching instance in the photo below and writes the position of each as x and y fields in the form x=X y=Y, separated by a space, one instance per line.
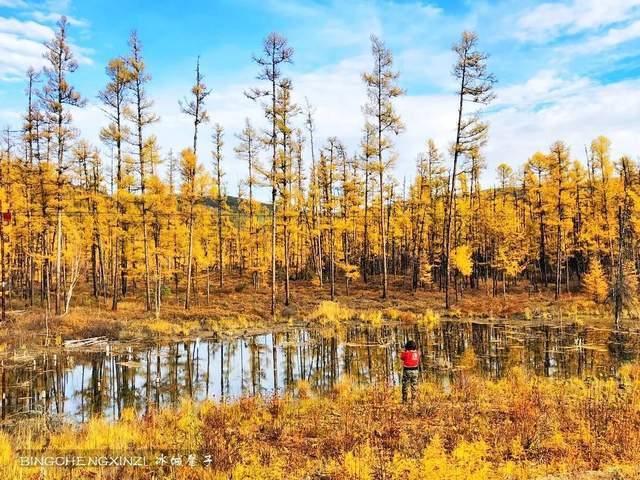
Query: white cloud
x=548 y=21
x=577 y=117
x=13 y=3
x=544 y=87
x=528 y=115
x=335 y=90
x=21 y=47
x=531 y=115
x=26 y=29
x=57 y=5
x=614 y=37
x=424 y=66
x=9 y=115
x=82 y=54
x=53 y=17
x=17 y=55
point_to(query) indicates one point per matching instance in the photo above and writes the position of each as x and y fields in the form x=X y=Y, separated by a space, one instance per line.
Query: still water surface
x=77 y=385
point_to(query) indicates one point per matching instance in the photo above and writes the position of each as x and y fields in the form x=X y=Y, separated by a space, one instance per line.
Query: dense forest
x=164 y=226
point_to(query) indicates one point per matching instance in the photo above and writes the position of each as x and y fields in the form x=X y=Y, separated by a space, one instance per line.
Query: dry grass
x=518 y=428
x=238 y=308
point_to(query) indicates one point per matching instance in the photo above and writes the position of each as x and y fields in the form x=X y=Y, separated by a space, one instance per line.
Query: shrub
x=594 y=282
x=331 y=313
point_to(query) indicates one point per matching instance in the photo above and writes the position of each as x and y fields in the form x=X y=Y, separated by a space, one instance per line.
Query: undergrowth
x=517 y=428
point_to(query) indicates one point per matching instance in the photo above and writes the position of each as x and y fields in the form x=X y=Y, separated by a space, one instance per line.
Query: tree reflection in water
x=78 y=385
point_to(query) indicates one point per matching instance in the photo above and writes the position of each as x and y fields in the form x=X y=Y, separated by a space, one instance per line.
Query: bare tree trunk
x=187 y=297
x=383 y=235
x=58 y=260
x=273 y=192
x=365 y=240
x=452 y=196
x=220 y=240
x=75 y=274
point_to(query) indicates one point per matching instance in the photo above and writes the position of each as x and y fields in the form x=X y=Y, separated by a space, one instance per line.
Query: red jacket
x=410 y=358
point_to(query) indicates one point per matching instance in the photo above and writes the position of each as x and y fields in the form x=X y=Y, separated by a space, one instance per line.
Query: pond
x=76 y=385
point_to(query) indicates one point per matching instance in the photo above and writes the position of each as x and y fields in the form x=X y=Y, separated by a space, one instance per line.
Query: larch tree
x=505 y=176
x=381 y=91
x=32 y=117
x=476 y=86
x=595 y=282
x=247 y=150
x=194 y=107
x=115 y=104
x=349 y=204
x=158 y=207
x=368 y=145
x=578 y=179
x=42 y=186
x=31 y=138
x=623 y=292
x=301 y=228
x=423 y=210
x=142 y=117
x=327 y=167
x=89 y=173
x=537 y=167
x=476 y=164
x=275 y=52
x=558 y=190
x=602 y=166
x=218 y=173
x=285 y=110
x=57 y=96
x=314 y=193
x=509 y=253
x=190 y=170
x=173 y=224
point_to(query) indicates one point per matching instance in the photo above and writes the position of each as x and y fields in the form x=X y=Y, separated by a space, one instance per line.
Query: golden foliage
x=461 y=259
x=331 y=313
x=429 y=319
x=594 y=282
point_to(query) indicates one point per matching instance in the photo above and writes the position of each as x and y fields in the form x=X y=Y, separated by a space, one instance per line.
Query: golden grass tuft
x=331 y=313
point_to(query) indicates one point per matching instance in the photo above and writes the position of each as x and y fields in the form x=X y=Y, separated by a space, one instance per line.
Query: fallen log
x=85 y=342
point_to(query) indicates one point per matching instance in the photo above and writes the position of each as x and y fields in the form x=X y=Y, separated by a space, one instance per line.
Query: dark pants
x=409 y=381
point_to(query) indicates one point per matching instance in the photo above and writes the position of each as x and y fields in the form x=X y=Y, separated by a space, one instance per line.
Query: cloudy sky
x=566 y=70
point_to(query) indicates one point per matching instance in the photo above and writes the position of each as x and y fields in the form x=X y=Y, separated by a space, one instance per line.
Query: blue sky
x=566 y=69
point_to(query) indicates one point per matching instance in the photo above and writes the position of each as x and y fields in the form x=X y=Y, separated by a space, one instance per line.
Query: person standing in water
x=410 y=362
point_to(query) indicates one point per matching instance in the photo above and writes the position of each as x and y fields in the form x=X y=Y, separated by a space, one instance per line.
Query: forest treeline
x=128 y=227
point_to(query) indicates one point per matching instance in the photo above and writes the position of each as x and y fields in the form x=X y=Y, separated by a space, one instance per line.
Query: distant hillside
x=233 y=202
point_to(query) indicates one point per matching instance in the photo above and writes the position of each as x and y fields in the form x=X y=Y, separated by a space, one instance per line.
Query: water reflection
x=78 y=385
